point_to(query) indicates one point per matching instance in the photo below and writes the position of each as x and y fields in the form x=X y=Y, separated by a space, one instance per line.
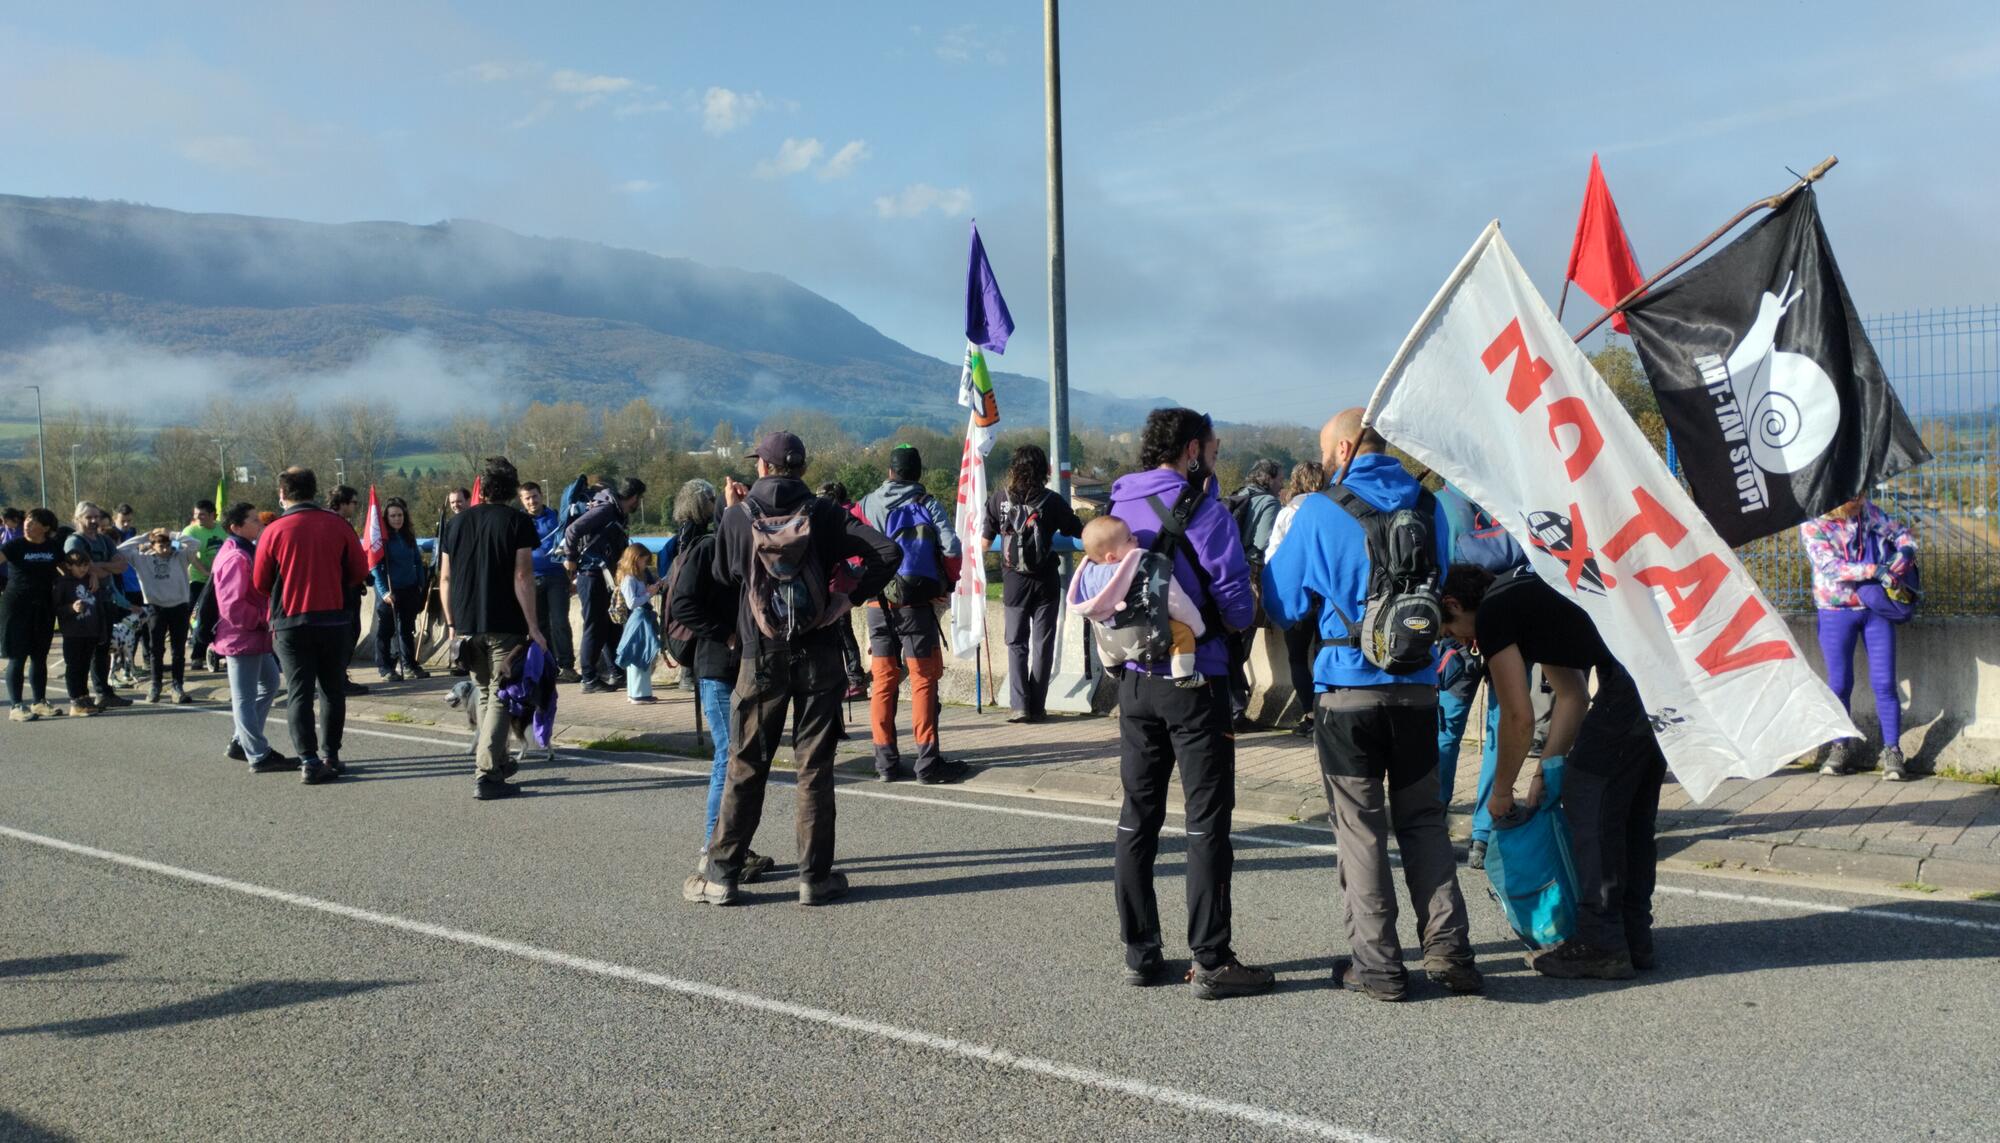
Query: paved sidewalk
x=1932 y=832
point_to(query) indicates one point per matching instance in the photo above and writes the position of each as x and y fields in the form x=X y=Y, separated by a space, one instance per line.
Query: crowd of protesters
x=753 y=596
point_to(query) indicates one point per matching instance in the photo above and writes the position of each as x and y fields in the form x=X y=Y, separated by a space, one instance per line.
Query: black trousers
x=1301 y=648
x=100 y=658
x=396 y=629
x=1238 y=643
x=30 y=672
x=807 y=685
x=168 y=632
x=600 y=635
x=850 y=654
x=1611 y=795
x=1160 y=724
x=1031 y=652
x=314 y=661
x=77 y=653
x=201 y=636
x=552 y=612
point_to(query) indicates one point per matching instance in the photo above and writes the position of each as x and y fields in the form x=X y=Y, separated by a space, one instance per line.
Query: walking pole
x=1772 y=202
x=986 y=646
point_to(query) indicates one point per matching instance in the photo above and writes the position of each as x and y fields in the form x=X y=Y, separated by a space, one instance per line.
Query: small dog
x=464 y=696
x=125 y=635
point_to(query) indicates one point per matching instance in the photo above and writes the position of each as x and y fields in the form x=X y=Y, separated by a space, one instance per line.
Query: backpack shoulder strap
x=1351 y=502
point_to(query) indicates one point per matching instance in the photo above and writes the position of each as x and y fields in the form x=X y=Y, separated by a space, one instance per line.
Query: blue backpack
x=1529 y=865
x=920 y=577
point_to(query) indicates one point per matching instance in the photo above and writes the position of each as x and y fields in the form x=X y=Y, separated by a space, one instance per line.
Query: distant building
x=1093 y=496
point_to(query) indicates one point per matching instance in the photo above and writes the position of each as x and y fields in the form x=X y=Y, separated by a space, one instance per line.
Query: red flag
x=372 y=532
x=1600 y=259
x=475 y=492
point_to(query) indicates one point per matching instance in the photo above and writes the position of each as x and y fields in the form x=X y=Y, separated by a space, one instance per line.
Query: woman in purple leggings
x=1854 y=545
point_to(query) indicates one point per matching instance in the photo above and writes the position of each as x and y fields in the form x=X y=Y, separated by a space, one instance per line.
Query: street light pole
x=75 y=493
x=221 y=471
x=1058 y=320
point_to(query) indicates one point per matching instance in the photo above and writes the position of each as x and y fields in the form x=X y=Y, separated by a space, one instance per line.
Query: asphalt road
x=190 y=951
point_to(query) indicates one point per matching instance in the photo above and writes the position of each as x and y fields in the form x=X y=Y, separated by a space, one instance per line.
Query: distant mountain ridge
x=552 y=318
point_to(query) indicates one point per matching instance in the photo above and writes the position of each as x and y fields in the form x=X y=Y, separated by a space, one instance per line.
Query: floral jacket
x=1838 y=550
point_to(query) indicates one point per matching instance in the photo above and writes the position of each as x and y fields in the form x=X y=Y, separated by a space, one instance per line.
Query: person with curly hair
x=1026 y=515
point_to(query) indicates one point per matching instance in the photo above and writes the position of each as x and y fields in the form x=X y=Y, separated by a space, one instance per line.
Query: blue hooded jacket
x=1212 y=541
x=1326 y=555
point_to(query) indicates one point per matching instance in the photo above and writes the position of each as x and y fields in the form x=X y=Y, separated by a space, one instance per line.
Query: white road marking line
x=851 y=790
x=964 y=1049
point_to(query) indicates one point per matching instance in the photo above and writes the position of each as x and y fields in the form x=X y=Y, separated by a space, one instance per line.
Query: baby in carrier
x=1111 y=590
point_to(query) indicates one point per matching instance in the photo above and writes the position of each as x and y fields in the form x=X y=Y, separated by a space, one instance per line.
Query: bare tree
x=278 y=435
x=635 y=432
x=555 y=434
x=362 y=433
x=182 y=472
x=472 y=438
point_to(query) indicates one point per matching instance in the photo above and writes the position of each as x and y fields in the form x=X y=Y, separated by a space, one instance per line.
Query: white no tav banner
x=1489 y=391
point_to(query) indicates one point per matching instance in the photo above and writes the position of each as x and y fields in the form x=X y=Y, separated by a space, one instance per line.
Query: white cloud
x=592 y=88
x=963 y=43
x=843 y=161
x=540 y=112
x=723 y=110
x=636 y=186
x=917 y=198
x=223 y=152
x=794 y=155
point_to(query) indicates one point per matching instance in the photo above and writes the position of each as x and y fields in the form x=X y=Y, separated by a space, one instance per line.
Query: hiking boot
x=412 y=671
x=1574 y=960
x=46 y=710
x=597 y=687
x=898 y=773
x=566 y=675
x=153 y=694
x=755 y=865
x=392 y=675
x=1305 y=727
x=81 y=710
x=1839 y=759
x=1475 y=855
x=1460 y=976
x=178 y=694
x=21 y=713
x=1152 y=967
x=1642 y=960
x=235 y=752
x=944 y=773
x=703 y=891
x=485 y=791
x=832 y=887
x=312 y=773
x=1894 y=768
x=107 y=699
x=1349 y=977
x=1230 y=978
x=350 y=687
x=1244 y=724
x=272 y=763
x=332 y=762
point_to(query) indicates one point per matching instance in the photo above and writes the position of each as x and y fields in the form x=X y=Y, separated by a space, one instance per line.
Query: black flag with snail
x=1777 y=404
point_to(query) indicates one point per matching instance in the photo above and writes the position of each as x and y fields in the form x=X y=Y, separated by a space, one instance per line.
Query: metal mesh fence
x=1945 y=368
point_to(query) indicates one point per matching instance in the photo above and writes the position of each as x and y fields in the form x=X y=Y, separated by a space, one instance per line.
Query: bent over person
x=1611 y=762
x=780 y=555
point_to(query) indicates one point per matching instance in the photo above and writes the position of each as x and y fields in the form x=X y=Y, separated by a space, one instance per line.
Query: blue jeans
x=253 y=685
x=1489 y=760
x=715 y=711
x=1453 y=710
x=639 y=682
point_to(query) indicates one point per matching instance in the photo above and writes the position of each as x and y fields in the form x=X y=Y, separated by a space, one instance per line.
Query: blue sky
x=1261 y=197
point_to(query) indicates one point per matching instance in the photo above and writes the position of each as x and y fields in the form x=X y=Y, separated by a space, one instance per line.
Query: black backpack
x=1024 y=539
x=1142 y=631
x=1401 y=618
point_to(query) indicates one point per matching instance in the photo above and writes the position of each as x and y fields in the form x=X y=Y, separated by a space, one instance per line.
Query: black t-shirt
x=1521 y=610
x=482 y=544
x=32 y=567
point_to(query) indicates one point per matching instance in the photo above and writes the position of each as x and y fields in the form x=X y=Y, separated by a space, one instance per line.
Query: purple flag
x=987 y=322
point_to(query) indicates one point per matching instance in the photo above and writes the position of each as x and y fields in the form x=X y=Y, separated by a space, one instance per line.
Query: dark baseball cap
x=783 y=450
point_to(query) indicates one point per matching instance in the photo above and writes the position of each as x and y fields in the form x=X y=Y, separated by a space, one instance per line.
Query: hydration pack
x=1401 y=619
x=920 y=576
x=1024 y=542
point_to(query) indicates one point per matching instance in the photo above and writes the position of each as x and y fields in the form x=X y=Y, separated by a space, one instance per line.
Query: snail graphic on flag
x=1791 y=404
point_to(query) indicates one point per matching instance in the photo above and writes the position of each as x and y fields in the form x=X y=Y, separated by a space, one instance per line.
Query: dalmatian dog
x=464 y=697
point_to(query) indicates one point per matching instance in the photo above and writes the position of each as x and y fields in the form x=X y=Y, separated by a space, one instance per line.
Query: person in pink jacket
x=243 y=638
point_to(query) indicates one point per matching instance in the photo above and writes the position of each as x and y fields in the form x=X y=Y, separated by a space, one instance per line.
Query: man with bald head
x=1375 y=730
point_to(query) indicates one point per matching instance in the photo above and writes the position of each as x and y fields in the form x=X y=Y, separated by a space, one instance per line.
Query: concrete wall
x=1948 y=674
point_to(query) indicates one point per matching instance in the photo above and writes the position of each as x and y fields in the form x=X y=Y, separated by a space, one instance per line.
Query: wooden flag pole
x=1771 y=203
x=1562 y=300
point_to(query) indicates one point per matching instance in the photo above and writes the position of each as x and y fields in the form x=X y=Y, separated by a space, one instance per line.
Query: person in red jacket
x=307 y=561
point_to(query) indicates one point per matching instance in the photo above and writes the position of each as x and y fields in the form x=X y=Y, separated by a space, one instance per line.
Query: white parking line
x=963 y=1049
x=853 y=791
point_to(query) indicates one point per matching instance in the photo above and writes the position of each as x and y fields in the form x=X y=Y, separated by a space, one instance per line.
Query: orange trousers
x=923 y=674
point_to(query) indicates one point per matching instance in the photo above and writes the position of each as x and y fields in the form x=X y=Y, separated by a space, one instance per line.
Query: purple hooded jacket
x=1211 y=541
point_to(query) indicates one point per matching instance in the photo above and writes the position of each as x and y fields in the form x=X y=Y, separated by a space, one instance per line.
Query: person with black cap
x=590 y=547
x=782 y=561
x=904 y=636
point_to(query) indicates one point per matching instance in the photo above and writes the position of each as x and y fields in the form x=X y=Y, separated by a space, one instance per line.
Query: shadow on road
x=19 y=1130
x=62 y=962
x=240 y=1000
